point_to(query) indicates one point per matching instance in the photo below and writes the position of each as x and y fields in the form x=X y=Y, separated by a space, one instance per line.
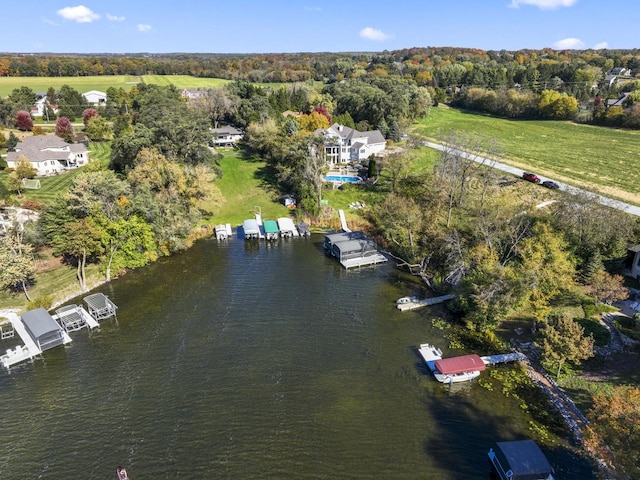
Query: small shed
x=251 y=229
x=520 y=460
x=271 y=230
x=43 y=329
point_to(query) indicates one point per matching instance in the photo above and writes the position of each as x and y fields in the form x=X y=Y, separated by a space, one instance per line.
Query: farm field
x=82 y=84
x=597 y=158
x=102 y=83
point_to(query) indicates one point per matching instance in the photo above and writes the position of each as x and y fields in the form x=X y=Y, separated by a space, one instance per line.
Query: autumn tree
x=24 y=121
x=607 y=288
x=615 y=418
x=17 y=263
x=545 y=268
x=98 y=129
x=315 y=120
x=64 y=129
x=88 y=114
x=562 y=340
x=24 y=168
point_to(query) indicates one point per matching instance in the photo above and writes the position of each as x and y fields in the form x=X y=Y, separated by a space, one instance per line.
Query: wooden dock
x=423 y=302
x=363 y=261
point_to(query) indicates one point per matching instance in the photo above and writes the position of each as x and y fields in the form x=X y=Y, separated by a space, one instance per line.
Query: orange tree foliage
x=615 y=420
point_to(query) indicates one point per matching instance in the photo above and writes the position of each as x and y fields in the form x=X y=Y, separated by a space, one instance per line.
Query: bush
x=599 y=332
x=629 y=326
x=41 y=302
x=32 y=205
x=591 y=310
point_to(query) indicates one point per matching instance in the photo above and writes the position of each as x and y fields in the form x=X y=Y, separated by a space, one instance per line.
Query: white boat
x=404 y=300
x=451 y=370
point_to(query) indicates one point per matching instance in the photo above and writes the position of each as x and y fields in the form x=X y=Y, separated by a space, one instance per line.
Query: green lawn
x=599 y=158
x=82 y=84
x=245 y=184
x=52 y=186
x=184 y=81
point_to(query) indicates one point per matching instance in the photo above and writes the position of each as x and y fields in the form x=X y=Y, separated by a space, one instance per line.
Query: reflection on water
x=245 y=360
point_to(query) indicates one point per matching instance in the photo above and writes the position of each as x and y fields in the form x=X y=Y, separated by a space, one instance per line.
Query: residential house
x=49 y=154
x=39 y=108
x=617 y=76
x=226 y=136
x=617 y=102
x=192 y=93
x=343 y=144
x=95 y=98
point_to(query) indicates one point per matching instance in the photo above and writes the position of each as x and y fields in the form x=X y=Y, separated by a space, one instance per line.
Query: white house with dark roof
x=193 y=93
x=226 y=136
x=343 y=144
x=49 y=154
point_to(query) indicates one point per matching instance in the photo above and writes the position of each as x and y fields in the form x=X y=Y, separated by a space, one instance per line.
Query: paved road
x=610 y=202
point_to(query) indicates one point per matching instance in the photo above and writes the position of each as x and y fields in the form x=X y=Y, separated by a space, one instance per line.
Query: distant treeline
x=431 y=66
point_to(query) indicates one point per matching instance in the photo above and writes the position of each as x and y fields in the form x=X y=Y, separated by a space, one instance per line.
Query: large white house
x=343 y=144
x=49 y=154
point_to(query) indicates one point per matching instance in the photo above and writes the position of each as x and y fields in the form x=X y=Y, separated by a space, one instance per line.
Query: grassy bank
x=597 y=158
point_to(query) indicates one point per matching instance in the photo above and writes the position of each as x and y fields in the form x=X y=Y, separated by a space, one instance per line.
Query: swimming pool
x=342 y=178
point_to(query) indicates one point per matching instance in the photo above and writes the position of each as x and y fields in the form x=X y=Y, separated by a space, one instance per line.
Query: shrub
x=41 y=302
x=591 y=310
x=599 y=332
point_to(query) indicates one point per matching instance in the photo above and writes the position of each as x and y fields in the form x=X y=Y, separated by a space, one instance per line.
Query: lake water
x=254 y=361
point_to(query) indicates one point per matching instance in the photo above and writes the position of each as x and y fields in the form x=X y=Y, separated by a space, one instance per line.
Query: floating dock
x=411 y=303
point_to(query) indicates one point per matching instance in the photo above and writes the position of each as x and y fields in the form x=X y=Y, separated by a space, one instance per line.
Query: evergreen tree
x=11 y=142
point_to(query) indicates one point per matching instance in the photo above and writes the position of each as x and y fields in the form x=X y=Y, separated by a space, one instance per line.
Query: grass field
x=245 y=184
x=597 y=158
x=101 y=83
x=82 y=84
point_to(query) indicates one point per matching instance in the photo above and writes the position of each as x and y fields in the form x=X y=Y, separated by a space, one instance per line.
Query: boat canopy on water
x=462 y=364
x=520 y=460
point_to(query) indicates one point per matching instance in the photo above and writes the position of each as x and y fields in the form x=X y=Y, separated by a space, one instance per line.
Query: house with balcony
x=226 y=136
x=49 y=154
x=343 y=145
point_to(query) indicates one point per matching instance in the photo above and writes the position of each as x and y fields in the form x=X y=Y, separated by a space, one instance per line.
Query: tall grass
x=599 y=158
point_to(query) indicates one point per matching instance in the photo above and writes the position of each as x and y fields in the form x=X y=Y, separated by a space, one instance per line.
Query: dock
x=27 y=351
x=74 y=317
x=352 y=249
x=411 y=303
x=504 y=358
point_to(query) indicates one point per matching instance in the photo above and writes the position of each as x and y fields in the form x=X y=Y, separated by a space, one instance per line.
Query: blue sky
x=261 y=26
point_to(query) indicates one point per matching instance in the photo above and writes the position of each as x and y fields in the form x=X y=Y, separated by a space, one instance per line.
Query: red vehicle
x=531 y=177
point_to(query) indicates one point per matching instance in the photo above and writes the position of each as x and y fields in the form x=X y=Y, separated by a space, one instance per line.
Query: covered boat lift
x=73 y=317
x=100 y=307
x=271 y=230
x=251 y=229
x=520 y=460
x=43 y=329
x=461 y=364
x=287 y=228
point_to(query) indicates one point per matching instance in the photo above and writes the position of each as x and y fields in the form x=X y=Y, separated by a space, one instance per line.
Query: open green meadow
x=82 y=84
x=103 y=82
x=245 y=184
x=599 y=158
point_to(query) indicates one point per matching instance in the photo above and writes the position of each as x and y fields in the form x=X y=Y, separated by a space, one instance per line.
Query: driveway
x=610 y=202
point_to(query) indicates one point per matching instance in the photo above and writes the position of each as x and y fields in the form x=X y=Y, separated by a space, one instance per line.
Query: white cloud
x=371 y=33
x=601 y=45
x=543 y=4
x=114 y=18
x=80 y=14
x=142 y=27
x=569 y=44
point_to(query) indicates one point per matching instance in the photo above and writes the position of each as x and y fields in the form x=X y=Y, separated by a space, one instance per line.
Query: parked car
x=531 y=177
x=550 y=184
